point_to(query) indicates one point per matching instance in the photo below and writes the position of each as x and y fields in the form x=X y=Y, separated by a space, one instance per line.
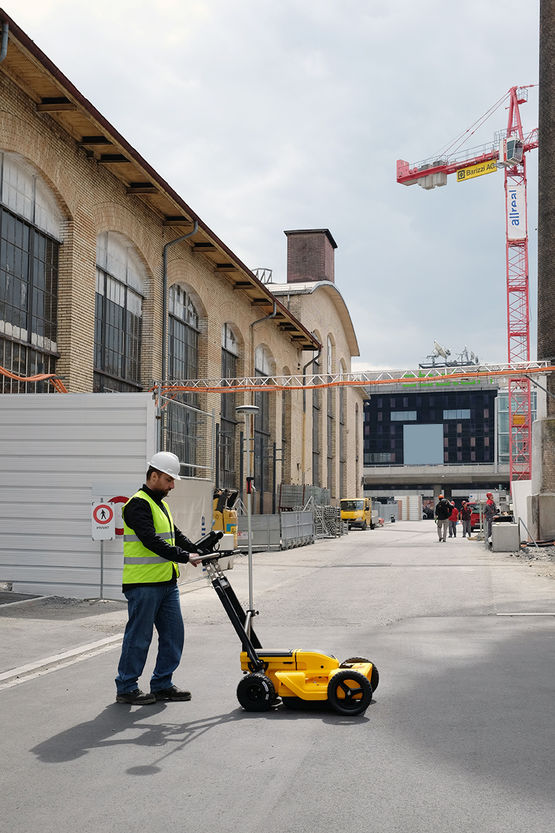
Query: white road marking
x=15 y=676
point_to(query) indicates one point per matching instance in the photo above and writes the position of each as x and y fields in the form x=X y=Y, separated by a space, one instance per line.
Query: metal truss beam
x=366 y=378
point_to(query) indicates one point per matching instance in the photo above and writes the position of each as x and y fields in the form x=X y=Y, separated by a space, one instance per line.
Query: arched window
x=31 y=228
x=263 y=366
x=183 y=333
x=228 y=419
x=120 y=289
x=330 y=421
x=316 y=427
x=183 y=361
x=342 y=438
x=285 y=455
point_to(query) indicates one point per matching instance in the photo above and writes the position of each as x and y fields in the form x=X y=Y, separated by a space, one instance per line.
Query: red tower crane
x=509 y=153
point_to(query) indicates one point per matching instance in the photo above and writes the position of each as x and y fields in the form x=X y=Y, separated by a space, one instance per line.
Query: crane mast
x=518 y=318
x=511 y=155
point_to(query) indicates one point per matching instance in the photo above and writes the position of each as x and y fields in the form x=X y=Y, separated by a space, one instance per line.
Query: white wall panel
x=56 y=451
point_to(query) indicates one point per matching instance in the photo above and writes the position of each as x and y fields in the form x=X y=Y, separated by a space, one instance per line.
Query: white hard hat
x=167 y=462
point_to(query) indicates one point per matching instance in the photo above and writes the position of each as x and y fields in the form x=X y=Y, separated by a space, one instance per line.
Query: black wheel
x=256 y=692
x=364 y=526
x=374 y=676
x=349 y=692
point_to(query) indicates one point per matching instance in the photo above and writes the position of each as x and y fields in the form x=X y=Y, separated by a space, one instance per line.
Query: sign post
x=248 y=411
x=103 y=529
x=103 y=521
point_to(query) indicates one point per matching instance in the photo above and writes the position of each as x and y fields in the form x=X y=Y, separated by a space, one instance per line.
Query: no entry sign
x=103 y=521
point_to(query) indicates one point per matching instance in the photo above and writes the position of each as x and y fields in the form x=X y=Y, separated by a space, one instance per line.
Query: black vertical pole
x=262 y=484
x=274 y=479
x=241 y=467
x=217 y=476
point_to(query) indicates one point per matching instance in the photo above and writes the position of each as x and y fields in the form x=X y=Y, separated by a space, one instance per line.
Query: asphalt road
x=459 y=737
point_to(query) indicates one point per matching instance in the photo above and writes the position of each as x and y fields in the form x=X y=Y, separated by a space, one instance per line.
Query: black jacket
x=443 y=510
x=138 y=515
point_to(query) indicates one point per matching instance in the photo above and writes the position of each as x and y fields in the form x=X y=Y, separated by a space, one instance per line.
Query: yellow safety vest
x=141 y=565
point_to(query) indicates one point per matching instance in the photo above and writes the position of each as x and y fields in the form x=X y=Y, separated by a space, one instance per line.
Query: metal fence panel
x=297 y=529
x=265 y=530
x=295 y=496
x=291 y=495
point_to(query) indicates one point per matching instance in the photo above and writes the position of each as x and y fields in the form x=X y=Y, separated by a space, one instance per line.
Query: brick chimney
x=310 y=255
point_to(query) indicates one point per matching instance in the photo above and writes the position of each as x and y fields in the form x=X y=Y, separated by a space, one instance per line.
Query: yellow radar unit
x=290 y=677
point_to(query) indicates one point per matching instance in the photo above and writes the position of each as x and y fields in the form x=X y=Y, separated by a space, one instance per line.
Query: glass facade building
x=430 y=428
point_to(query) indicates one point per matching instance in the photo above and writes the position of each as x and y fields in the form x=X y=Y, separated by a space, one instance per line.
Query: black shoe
x=171 y=693
x=136 y=698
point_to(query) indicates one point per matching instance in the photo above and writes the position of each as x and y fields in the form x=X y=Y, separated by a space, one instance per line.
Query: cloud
x=267 y=116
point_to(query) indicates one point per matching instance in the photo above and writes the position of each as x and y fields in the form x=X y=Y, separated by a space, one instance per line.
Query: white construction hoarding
x=60 y=455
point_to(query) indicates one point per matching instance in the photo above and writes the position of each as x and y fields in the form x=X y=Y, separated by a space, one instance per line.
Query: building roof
x=330 y=289
x=54 y=94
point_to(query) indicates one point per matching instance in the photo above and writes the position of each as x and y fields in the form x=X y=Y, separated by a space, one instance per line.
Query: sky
x=266 y=116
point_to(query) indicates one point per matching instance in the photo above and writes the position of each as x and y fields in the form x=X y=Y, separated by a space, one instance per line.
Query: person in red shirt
x=466 y=518
x=490 y=510
x=453 y=517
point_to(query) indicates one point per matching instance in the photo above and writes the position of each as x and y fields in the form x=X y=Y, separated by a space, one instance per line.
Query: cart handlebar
x=206 y=546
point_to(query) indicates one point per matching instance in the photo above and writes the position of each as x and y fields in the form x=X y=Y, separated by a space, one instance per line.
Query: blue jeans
x=151 y=607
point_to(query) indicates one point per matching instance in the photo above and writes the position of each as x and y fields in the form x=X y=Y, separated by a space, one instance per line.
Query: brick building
x=102 y=263
x=332 y=448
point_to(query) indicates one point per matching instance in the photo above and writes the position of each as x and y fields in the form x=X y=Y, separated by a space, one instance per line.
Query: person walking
x=153 y=547
x=453 y=517
x=490 y=510
x=466 y=517
x=442 y=512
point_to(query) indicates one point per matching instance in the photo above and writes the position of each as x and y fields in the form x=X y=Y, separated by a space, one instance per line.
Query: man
x=152 y=549
x=490 y=510
x=442 y=513
x=466 y=517
x=453 y=517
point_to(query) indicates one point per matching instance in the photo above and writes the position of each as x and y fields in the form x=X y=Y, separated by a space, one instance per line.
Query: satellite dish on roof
x=441 y=351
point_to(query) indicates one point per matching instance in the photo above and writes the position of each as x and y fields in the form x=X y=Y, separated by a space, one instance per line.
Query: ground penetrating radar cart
x=292 y=677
